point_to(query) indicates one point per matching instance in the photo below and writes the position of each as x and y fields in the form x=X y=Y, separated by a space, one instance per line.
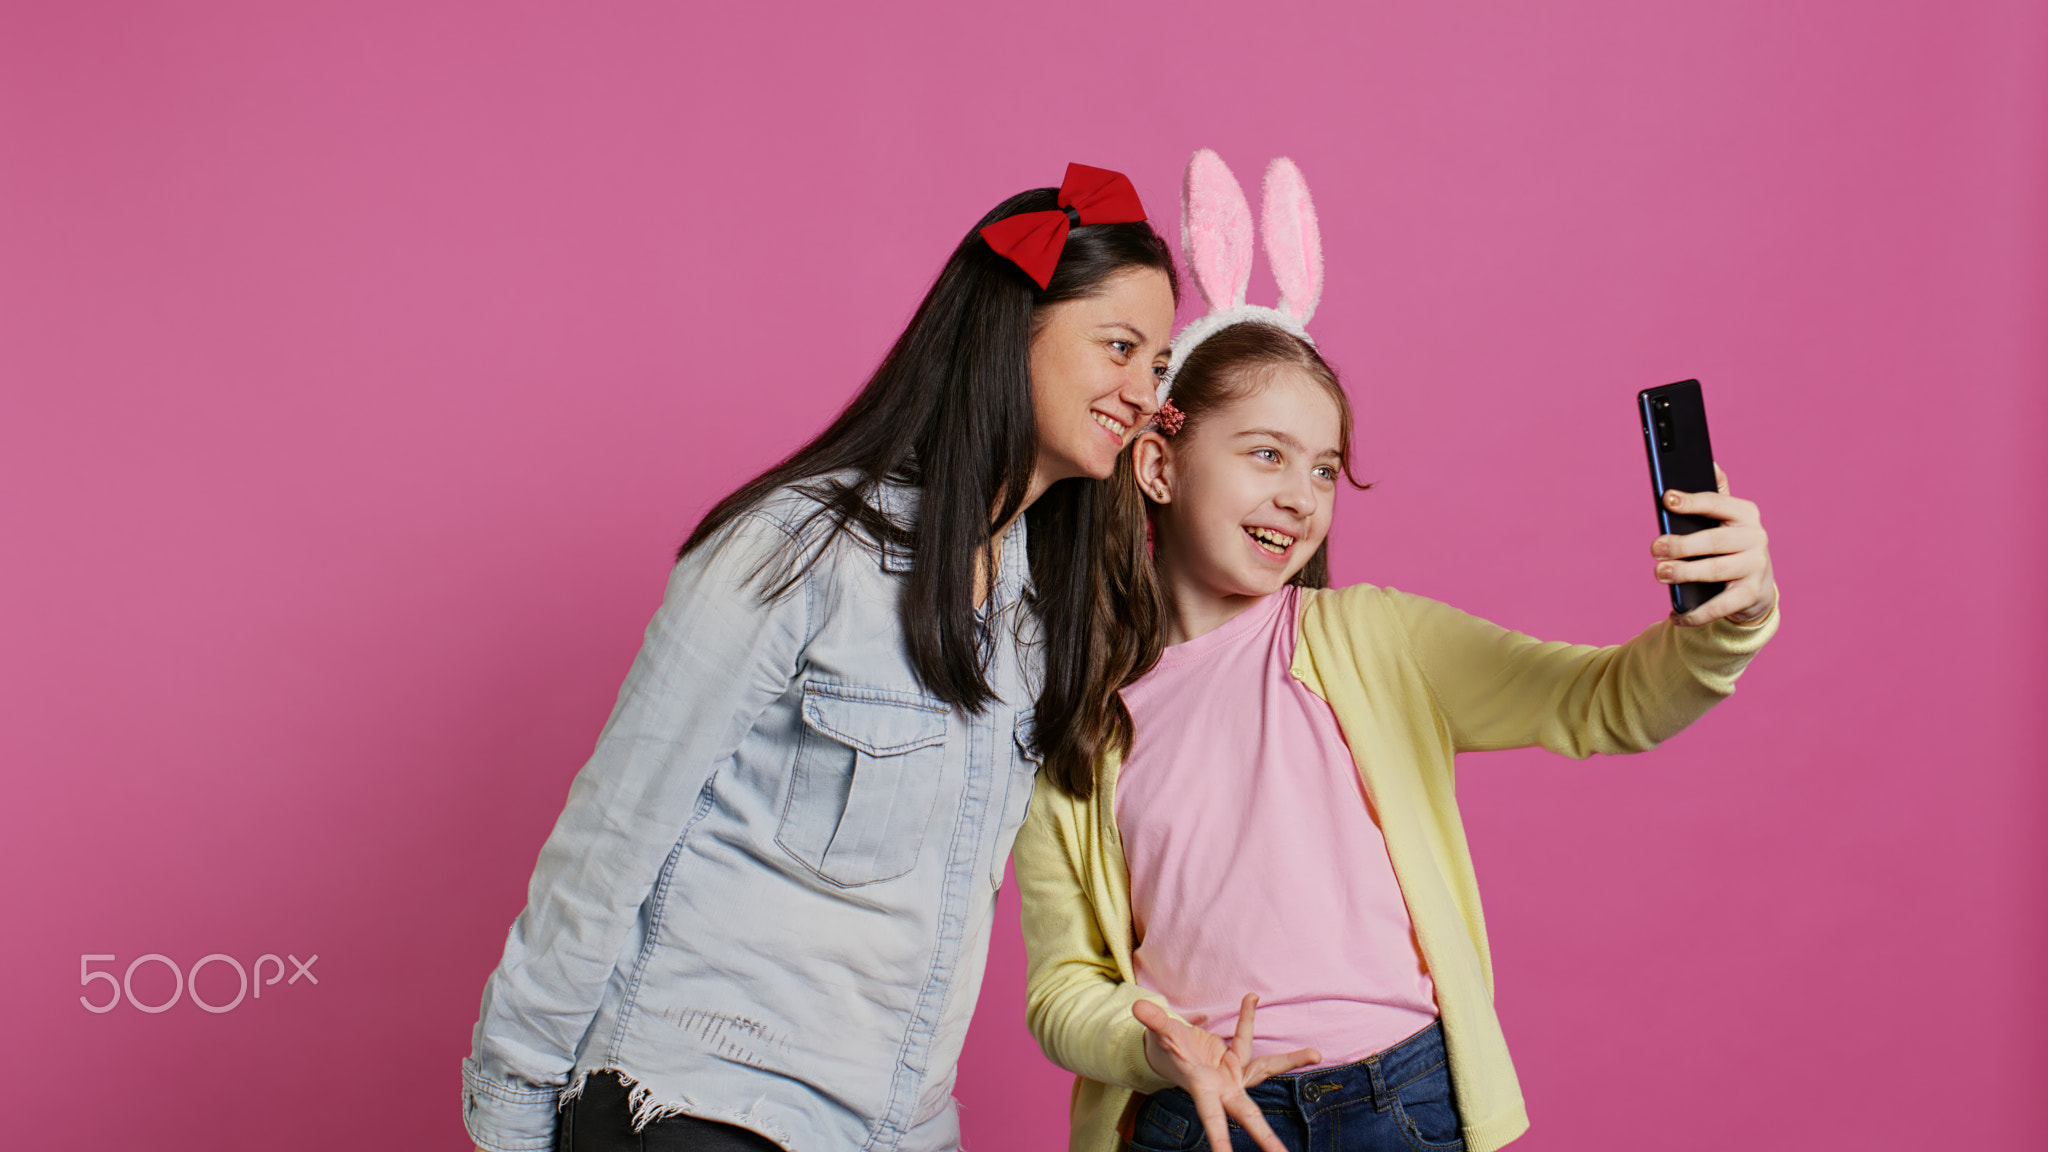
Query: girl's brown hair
x=1082 y=718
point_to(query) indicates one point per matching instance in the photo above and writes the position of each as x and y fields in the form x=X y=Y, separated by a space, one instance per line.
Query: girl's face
x=1245 y=494
x=1095 y=368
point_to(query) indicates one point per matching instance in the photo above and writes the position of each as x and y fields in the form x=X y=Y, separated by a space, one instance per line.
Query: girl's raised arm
x=1502 y=689
x=1498 y=688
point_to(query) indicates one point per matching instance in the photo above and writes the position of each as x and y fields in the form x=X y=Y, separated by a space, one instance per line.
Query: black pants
x=598 y=1120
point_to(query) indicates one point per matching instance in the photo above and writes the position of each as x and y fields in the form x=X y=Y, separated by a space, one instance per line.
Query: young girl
x=1281 y=821
x=762 y=917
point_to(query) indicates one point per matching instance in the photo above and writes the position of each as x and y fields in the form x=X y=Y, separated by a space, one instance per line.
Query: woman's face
x=1095 y=368
x=1247 y=492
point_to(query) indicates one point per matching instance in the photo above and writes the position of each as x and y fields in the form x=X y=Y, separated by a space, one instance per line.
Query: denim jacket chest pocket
x=865 y=781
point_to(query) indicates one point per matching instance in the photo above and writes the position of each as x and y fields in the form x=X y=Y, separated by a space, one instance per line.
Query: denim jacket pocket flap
x=872 y=721
x=865 y=780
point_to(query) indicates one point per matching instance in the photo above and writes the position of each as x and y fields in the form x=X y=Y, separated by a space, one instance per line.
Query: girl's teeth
x=1269 y=540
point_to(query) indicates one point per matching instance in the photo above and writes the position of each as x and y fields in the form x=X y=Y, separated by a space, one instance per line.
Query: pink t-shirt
x=1256 y=862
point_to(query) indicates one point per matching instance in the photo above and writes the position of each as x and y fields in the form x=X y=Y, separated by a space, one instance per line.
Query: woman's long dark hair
x=1081 y=716
x=949 y=412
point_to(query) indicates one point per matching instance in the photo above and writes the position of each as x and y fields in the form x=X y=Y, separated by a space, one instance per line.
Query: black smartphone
x=1681 y=458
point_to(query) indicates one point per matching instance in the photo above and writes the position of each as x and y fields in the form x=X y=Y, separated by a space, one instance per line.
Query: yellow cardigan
x=1412 y=682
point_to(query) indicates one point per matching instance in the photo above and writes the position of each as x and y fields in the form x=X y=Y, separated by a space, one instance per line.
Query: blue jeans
x=1395 y=1100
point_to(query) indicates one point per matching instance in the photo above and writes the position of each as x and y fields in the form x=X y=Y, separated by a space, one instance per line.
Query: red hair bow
x=1034 y=240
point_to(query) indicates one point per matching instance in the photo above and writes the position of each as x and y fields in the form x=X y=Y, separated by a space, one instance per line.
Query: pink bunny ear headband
x=1216 y=239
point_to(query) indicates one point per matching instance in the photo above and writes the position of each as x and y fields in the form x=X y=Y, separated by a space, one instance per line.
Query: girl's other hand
x=1737 y=552
x=1214 y=1074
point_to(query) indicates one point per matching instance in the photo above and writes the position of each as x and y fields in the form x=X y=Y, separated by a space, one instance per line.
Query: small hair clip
x=1169 y=418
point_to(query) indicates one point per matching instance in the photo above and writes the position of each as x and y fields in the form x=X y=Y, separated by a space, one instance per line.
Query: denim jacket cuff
x=503 y=1117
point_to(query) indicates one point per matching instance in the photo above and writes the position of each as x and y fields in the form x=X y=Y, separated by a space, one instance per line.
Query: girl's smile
x=1271 y=542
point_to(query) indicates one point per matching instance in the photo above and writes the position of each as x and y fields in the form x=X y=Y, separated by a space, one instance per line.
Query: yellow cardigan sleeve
x=1079 y=992
x=1498 y=688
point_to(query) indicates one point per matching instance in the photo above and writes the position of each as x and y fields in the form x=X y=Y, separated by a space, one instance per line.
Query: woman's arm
x=713 y=659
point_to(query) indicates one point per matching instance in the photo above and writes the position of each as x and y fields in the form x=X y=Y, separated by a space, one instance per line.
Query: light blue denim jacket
x=767 y=901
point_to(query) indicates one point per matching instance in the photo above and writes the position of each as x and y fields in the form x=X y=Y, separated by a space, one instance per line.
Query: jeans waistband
x=1376 y=1078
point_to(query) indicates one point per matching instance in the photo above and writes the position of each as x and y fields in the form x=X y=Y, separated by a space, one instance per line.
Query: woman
x=762 y=917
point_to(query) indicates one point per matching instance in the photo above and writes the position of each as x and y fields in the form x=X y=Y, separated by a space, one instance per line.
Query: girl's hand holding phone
x=1737 y=552
x=1214 y=1074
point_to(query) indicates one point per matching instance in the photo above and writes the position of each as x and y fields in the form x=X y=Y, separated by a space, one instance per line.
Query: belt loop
x=1379 y=1084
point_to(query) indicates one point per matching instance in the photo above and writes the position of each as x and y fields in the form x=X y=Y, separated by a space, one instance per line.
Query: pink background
x=364 y=364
